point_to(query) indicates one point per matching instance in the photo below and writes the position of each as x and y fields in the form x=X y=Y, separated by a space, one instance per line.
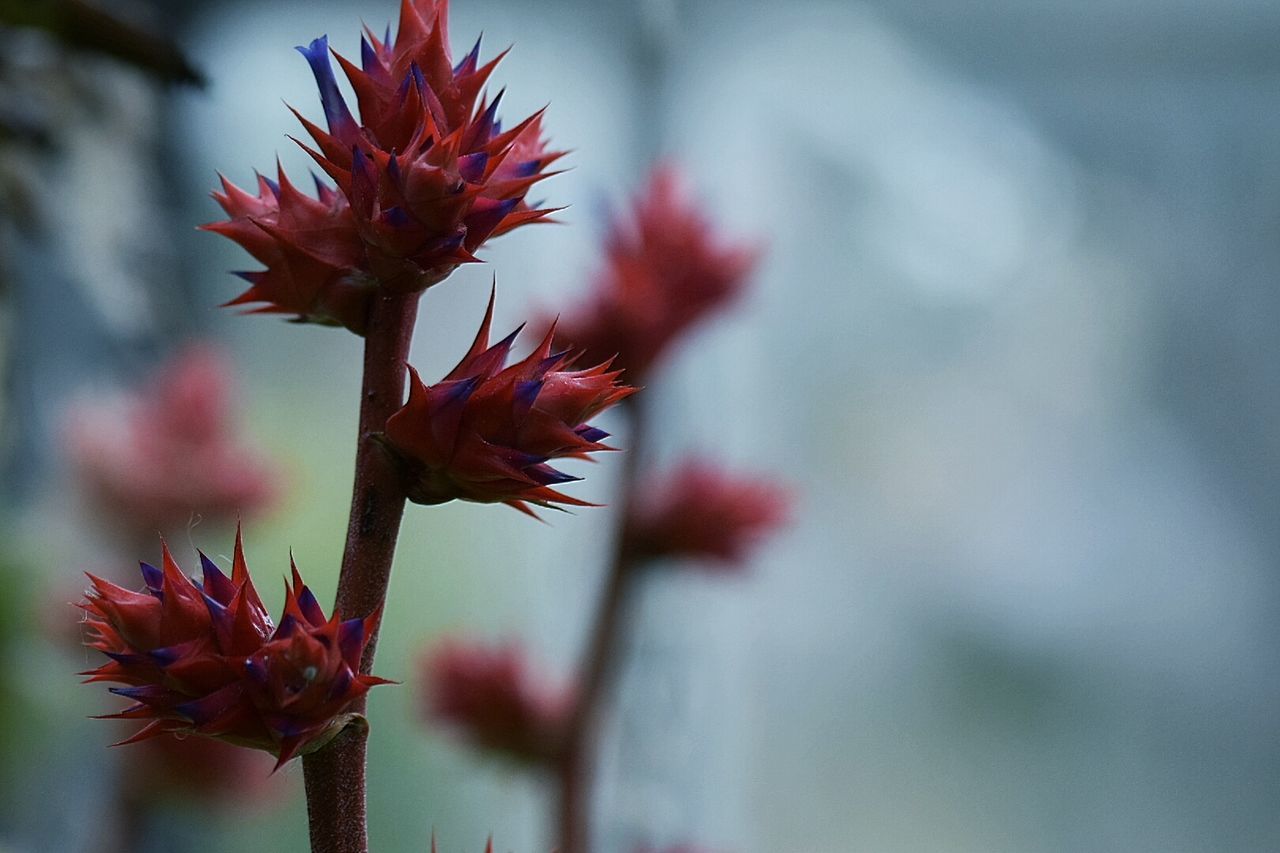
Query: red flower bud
x=701 y=512
x=486 y=432
x=204 y=658
x=489 y=697
x=155 y=460
x=665 y=270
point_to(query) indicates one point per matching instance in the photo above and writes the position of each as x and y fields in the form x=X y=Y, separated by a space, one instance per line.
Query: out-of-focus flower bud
x=488 y=696
x=200 y=769
x=701 y=512
x=664 y=271
x=156 y=459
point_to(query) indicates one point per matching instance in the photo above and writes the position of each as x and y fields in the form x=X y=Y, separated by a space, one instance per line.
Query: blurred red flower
x=158 y=458
x=702 y=512
x=489 y=697
x=199 y=769
x=665 y=270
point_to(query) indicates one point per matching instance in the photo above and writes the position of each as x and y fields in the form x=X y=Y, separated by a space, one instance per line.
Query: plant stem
x=600 y=661
x=126 y=830
x=335 y=775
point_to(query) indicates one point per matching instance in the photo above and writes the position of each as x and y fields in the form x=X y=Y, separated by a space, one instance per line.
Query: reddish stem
x=599 y=662
x=335 y=775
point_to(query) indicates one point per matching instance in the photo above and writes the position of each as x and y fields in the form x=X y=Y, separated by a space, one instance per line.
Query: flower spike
x=204 y=658
x=486 y=432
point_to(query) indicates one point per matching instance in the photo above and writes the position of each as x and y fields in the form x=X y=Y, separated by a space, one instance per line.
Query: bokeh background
x=1014 y=343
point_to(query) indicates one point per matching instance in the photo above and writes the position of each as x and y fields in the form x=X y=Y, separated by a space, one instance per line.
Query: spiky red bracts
x=204 y=658
x=486 y=432
x=424 y=177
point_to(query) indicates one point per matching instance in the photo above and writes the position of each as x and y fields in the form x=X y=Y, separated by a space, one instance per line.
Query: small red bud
x=664 y=271
x=489 y=697
x=698 y=511
x=156 y=459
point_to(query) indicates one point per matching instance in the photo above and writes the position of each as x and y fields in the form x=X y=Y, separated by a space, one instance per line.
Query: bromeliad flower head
x=425 y=177
x=490 y=698
x=428 y=171
x=156 y=459
x=701 y=512
x=487 y=431
x=664 y=271
x=310 y=248
x=204 y=658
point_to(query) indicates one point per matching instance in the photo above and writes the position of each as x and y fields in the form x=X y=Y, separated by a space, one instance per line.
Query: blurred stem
x=127 y=827
x=600 y=660
x=335 y=775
